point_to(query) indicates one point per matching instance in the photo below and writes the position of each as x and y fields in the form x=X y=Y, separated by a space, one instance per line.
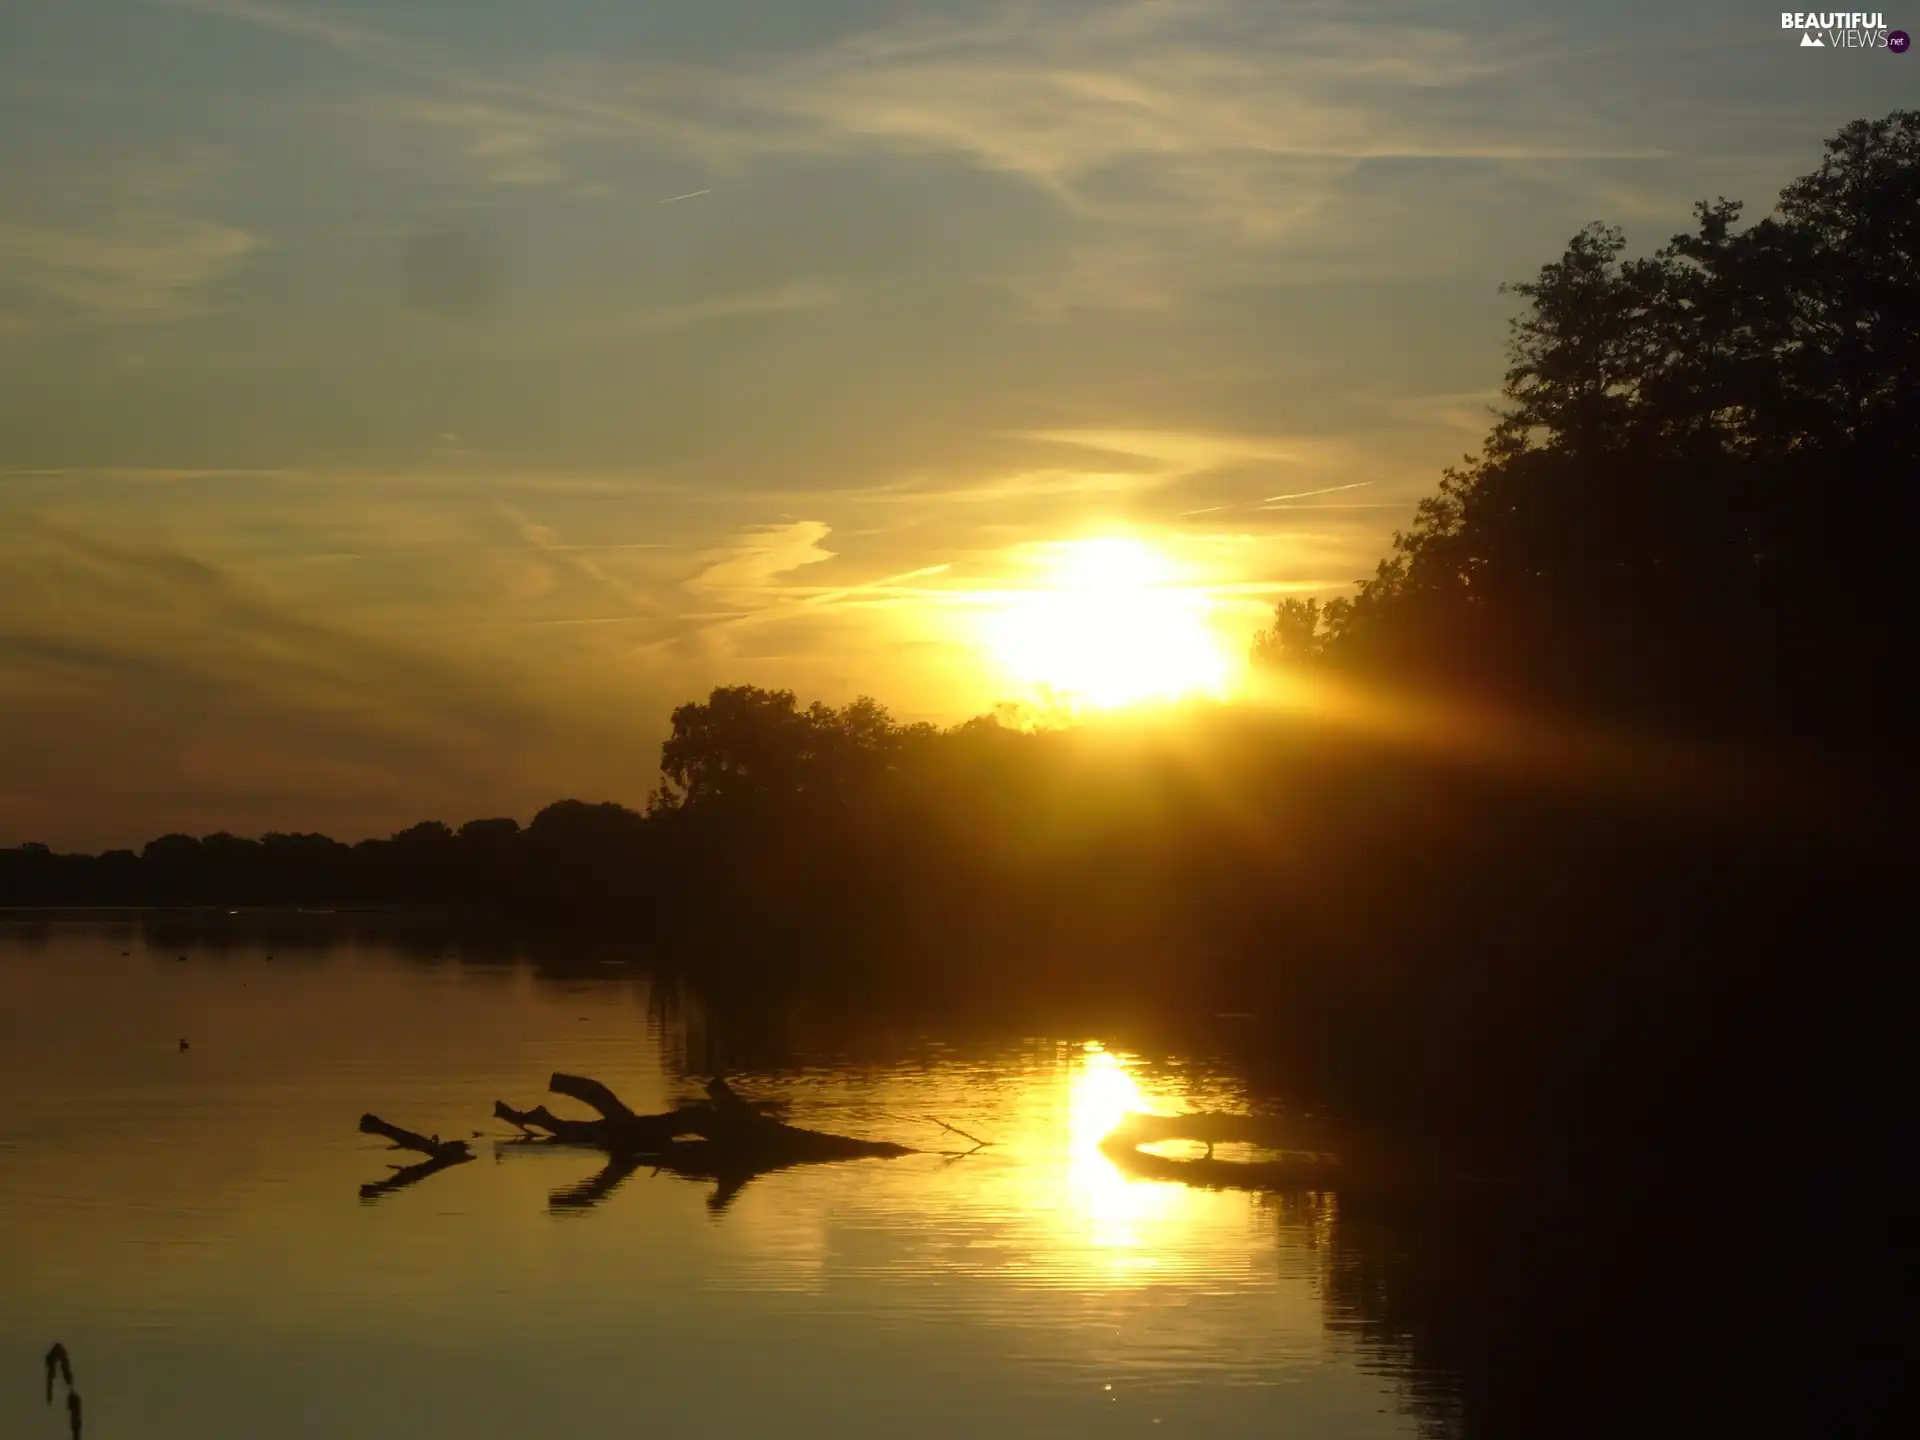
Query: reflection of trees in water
x=411 y=935
x=1373 y=1288
x=707 y=1030
x=1619 y=1307
x=761 y=1022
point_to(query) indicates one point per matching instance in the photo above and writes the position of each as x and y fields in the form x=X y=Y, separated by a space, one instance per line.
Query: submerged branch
x=591 y=1092
x=446 y=1152
x=576 y=1132
x=732 y=1139
x=441 y=1154
x=978 y=1143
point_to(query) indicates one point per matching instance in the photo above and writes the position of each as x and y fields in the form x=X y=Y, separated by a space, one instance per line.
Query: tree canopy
x=1697 y=502
x=747 y=747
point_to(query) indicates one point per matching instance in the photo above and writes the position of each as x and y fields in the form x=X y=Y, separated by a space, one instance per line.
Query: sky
x=403 y=406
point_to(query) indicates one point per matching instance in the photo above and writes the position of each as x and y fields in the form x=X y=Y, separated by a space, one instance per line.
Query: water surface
x=189 y=1222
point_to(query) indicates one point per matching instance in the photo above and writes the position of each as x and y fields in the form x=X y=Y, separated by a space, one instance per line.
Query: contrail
x=1303 y=494
x=688 y=196
x=1271 y=499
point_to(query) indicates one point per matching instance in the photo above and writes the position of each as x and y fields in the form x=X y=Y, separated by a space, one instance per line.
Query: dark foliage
x=1697 y=509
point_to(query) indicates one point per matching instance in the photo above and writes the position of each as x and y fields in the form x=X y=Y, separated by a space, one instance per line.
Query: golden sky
x=404 y=407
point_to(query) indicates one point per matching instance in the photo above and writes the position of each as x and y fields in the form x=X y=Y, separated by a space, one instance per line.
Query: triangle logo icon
x=1807 y=42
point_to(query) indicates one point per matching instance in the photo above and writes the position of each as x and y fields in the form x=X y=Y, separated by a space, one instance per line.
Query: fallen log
x=731 y=1135
x=773 y=1143
x=440 y=1155
x=618 y=1129
x=573 y=1132
x=591 y=1092
x=446 y=1152
x=739 y=1125
x=727 y=1139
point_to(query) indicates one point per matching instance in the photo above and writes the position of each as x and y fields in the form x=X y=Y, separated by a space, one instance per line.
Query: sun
x=1107 y=624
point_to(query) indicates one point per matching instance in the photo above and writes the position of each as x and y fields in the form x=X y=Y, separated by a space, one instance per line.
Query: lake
x=190 y=1223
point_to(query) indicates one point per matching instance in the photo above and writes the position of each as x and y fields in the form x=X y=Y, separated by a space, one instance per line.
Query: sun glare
x=1108 y=624
x=1113 y=1207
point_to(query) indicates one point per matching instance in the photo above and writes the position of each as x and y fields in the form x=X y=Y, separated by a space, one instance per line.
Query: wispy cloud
x=506 y=145
x=548 y=542
x=123 y=246
x=742 y=574
x=630 y=324
x=547 y=100
x=218 y=669
x=1185 y=452
x=1189 y=137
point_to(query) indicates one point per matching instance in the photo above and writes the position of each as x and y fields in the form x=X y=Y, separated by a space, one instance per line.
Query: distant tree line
x=1690 y=528
x=426 y=863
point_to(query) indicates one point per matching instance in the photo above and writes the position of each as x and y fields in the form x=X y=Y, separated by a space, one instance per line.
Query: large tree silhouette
x=748 y=749
x=1697 y=504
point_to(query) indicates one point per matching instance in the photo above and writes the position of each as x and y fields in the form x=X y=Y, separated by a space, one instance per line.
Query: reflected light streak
x=1114 y=1210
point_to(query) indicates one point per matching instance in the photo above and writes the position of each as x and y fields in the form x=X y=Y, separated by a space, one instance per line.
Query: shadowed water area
x=191 y=1224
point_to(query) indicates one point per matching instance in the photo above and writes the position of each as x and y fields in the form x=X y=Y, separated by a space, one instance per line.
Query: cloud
x=135 y=267
x=548 y=541
x=1178 y=452
x=1188 y=141
x=120 y=247
x=1193 y=140
x=743 y=575
x=365 y=43
x=619 y=326
x=1156 y=463
x=540 y=102
x=132 y=667
x=505 y=144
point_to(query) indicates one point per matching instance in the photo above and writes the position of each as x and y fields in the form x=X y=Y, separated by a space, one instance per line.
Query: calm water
x=189 y=1224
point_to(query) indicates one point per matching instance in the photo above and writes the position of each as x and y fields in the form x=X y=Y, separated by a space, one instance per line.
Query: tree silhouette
x=1698 y=502
x=748 y=748
x=1297 y=633
x=741 y=743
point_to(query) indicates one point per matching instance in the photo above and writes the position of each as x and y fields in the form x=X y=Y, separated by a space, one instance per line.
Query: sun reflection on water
x=1116 y=1213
